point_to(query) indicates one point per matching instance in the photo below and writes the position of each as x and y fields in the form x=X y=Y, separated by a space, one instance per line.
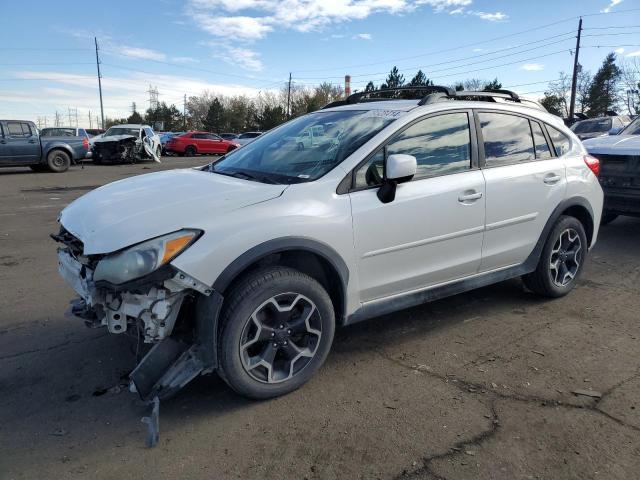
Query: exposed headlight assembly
x=142 y=259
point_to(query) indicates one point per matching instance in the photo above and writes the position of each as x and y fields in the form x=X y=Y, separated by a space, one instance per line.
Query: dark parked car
x=192 y=143
x=21 y=145
x=595 y=127
x=229 y=136
x=64 y=132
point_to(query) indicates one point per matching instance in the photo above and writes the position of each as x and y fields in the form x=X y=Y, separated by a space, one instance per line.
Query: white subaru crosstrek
x=247 y=265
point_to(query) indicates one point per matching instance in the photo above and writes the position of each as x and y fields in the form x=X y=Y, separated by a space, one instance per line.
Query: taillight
x=593 y=163
x=85 y=143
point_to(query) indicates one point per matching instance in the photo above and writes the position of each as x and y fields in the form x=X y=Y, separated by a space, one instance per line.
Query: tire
x=305 y=329
x=58 y=161
x=300 y=146
x=159 y=152
x=608 y=217
x=190 y=151
x=555 y=282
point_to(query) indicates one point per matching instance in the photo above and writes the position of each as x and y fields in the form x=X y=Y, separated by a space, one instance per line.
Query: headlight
x=143 y=258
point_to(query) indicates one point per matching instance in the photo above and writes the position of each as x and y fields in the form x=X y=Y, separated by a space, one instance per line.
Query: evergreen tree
x=493 y=85
x=420 y=79
x=394 y=80
x=135 y=117
x=370 y=87
x=215 y=116
x=602 y=94
x=553 y=103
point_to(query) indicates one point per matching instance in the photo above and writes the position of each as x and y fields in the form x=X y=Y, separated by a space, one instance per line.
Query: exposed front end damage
x=122 y=149
x=168 y=309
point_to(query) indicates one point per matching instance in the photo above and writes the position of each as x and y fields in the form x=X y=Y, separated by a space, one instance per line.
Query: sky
x=48 y=58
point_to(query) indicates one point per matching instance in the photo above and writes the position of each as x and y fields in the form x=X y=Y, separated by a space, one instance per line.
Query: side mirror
x=615 y=131
x=399 y=168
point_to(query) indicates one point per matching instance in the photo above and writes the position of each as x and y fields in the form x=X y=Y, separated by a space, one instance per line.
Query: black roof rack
x=436 y=93
x=360 y=96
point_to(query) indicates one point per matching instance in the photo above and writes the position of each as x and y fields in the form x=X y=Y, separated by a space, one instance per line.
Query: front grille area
x=76 y=247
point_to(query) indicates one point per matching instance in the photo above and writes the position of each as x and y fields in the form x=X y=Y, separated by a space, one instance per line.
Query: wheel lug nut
x=285 y=342
x=281 y=326
x=289 y=332
x=273 y=334
x=275 y=344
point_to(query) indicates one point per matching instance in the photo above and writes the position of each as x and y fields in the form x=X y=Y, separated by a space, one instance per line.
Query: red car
x=192 y=143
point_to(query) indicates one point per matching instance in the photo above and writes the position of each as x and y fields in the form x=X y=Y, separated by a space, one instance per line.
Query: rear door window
x=18 y=129
x=507 y=139
x=542 y=147
x=561 y=143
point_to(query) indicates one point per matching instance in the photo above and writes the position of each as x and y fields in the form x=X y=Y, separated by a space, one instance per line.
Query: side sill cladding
x=384 y=306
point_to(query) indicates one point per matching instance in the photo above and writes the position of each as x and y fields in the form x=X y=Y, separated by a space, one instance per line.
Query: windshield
x=122 y=131
x=632 y=129
x=249 y=135
x=305 y=148
x=593 y=126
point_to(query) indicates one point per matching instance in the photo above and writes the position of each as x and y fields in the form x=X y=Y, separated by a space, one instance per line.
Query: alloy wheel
x=280 y=338
x=566 y=257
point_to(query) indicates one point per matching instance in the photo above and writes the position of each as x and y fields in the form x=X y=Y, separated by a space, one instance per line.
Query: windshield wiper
x=247 y=176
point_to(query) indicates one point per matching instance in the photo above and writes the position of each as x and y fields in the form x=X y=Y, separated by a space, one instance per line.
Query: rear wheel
x=58 y=161
x=561 y=260
x=608 y=217
x=159 y=152
x=190 y=151
x=277 y=329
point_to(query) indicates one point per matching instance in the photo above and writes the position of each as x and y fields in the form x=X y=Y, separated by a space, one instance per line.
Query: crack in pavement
x=52 y=347
x=484 y=391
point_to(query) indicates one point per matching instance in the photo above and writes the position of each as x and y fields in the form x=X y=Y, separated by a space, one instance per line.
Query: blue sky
x=47 y=61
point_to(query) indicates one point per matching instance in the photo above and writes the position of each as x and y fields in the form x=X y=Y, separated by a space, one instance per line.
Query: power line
x=466 y=58
x=482 y=42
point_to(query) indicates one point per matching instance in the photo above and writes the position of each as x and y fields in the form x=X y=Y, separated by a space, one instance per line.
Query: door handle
x=470 y=197
x=32 y=141
x=3 y=141
x=552 y=179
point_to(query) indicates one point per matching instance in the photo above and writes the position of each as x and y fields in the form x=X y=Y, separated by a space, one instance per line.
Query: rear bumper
x=622 y=201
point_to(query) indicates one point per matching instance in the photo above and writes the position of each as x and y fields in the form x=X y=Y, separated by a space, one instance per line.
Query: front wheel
x=277 y=329
x=58 y=161
x=190 y=151
x=561 y=261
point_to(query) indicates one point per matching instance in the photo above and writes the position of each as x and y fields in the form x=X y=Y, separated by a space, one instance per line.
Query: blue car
x=165 y=137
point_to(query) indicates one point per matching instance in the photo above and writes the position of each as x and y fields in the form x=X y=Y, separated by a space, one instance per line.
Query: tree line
x=596 y=95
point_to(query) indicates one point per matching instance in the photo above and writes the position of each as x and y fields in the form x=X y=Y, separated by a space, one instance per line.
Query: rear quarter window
x=561 y=143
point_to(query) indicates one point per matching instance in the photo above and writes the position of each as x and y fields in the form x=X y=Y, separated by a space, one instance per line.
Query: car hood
x=114 y=138
x=614 y=144
x=136 y=209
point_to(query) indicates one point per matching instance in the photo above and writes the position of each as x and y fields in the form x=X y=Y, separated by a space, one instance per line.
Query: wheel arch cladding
x=314 y=258
x=61 y=148
x=585 y=217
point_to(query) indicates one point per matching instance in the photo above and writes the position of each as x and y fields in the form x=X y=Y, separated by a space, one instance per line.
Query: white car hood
x=136 y=209
x=614 y=144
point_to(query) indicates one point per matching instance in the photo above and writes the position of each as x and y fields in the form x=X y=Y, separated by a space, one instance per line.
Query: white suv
x=247 y=265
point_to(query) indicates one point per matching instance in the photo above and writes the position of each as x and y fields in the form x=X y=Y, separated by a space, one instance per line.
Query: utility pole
x=69 y=110
x=90 y=122
x=95 y=39
x=574 y=80
x=184 y=113
x=289 y=98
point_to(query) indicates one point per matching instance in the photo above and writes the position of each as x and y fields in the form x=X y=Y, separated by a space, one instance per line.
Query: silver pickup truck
x=22 y=145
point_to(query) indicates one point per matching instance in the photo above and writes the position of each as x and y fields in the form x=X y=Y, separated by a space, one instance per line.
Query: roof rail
x=358 y=97
x=506 y=94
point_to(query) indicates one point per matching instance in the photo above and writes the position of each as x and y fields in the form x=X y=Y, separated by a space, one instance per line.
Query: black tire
x=39 y=168
x=608 y=217
x=190 y=151
x=58 y=161
x=248 y=295
x=300 y=146
x=543 y=280
x=159 y=152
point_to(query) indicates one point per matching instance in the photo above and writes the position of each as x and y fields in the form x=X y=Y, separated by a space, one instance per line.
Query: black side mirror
x=398 y=168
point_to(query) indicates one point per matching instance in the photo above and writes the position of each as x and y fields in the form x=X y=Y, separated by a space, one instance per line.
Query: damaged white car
x=247 y=265
x=127 y=143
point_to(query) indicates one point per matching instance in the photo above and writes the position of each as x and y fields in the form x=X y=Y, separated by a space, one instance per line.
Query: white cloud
x=532 y=67
x=634 y=54
x=65 y=90
x=364 y=36
x=619 y=51
x=252 y=20
x=478 y=50
x=491 y=17
x=185 y=60
x=612 y=4
x=243 y=57
x=140 y=53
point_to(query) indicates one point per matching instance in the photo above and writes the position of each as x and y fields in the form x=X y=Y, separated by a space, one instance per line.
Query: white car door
x=524 y=184
x=432 y=232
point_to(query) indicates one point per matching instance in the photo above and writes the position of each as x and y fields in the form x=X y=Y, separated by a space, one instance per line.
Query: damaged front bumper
x=169 y=309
